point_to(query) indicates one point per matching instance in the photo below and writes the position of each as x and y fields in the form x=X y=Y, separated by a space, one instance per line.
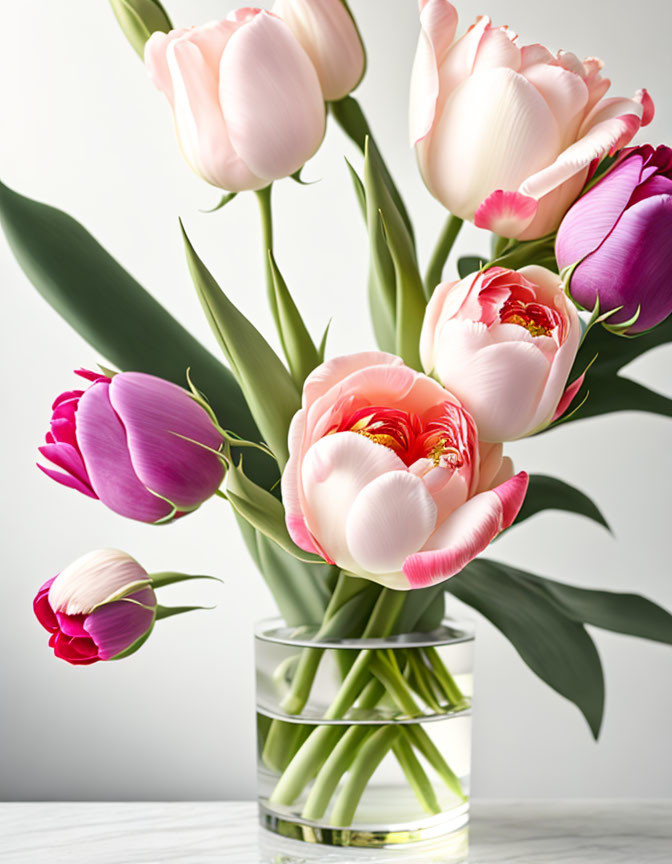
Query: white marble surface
x=503 y=832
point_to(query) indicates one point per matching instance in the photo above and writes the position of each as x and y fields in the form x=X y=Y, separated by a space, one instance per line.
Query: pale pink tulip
x=505 y=133
x=386 y=477
x=246 y=98
x=504 y=343
x=330 y=37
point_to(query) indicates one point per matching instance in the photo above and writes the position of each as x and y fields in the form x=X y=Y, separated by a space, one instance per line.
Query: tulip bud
x=330 y=37
x=246 y=98
x=139 y=19
x=620 y=234
x=140 y=444
x=101 y=607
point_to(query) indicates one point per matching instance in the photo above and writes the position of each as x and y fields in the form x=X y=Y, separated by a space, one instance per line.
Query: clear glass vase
x=365 y=742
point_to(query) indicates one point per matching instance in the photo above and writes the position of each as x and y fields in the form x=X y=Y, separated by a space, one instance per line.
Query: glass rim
x=452 y=631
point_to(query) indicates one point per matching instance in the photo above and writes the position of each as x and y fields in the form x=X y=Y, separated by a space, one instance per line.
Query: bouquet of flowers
x=367 y=486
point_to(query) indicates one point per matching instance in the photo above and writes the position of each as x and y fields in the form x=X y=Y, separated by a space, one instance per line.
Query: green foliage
x=139 y=19
x=401 y=288
x=268 y=388
x=300 y=351
x=549 y=493
x=545 y=622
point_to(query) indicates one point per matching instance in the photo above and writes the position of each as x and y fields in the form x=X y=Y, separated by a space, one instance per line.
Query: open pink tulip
x=137 y=442
x=386 y=477
x=505 y=133
x=247 y=100
x=504 y=343
x=330 y=37
x=99 y=607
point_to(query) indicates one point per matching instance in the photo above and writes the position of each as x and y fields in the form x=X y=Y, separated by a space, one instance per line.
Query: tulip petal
x=42 y=608
x=159 y=417
x=334 y=471
x=116 y=626
x=76 y=650
x=494 y=131
x=71 y=625
x=102 y=441
x=202 y=129
x=68 y=458
x=500 y=384
x=566 y=94
x=568 y=396
x=438 y=22
x=391 y=518
x=631 y=268
x=328 y=374
x=93 y=579
x=610 y=125
x=68 y=480
x=271 y=97
x=505 y=213
x=466 y=533
x=594 y=215
x=329 y=36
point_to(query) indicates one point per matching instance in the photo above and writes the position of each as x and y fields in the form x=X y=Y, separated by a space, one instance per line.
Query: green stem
x=265 y=212
x=448 y=684
x=415 y=774
x=429 y=750
x=340 y=758
x=422 y=681
x=311 y=756
x=441 y=252
x=367 y=759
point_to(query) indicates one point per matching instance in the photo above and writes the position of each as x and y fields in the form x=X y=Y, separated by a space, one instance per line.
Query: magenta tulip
x=98 y=608
x=621 y=233
x=139 y=443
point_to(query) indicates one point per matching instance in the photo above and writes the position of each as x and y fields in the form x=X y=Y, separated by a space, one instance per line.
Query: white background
x=82 y=128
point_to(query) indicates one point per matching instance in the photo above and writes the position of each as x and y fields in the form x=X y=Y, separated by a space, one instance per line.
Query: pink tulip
x=247 y=100
x=330 y=37
x=97 y=608
x=504 y=343
x=386 y=477
x=136 y=442
x=505 y=133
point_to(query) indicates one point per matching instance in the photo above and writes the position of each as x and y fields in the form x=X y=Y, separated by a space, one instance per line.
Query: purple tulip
x=98 y=608
x=621 y=233
x=134 y=441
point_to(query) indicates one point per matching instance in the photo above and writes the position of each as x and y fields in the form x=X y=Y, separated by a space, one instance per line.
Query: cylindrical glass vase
x=365 y=742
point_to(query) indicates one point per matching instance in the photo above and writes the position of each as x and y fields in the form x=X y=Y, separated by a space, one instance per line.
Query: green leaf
x=381 y=281
x=300 y=351
x=263 y=511
x=556 y=647
x=468 y=264
x=549 y=493
x=630 y=614
x=113 y=313
x=409 y=294
x=223 y=201
x=159 y=580
x=350 y=117
x=139 y=19
x=266 y=384
x=169 y=611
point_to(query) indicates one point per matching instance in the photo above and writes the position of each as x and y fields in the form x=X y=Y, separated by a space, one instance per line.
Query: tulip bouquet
x=368 y=485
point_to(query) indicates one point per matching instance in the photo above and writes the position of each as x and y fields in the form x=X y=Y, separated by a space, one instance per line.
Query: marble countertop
x=502 y=832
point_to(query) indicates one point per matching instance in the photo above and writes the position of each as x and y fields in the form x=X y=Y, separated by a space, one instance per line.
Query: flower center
x=537 y=319
x=446 y=437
